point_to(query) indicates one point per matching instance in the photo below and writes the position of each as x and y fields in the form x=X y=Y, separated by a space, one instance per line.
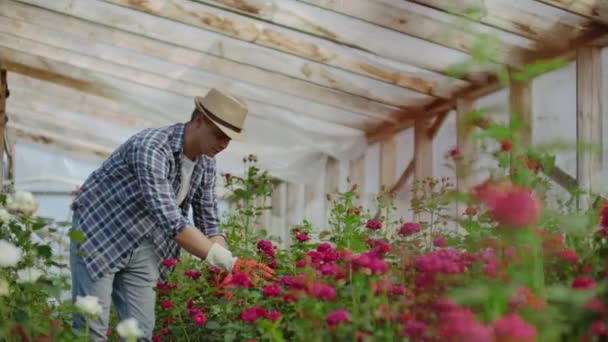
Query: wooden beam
x=297 y=60
x=507 y=16
x=147 y=89
x=588 y=121
x=292 y=78
x=475 y=92
x=437 y=123
x=418 y=21
x=596 y=10
x=336 y=22
x=307 y=31
x=466 y=146
x=520 y=105
x=388 y=163
x=438 y=107
x=4 y=92
x=405 y=176
x=277 y=85
x=189 y=83
x=423 y=150
x=409 y=170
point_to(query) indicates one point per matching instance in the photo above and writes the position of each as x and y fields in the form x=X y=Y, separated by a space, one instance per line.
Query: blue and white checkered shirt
x=133 y=196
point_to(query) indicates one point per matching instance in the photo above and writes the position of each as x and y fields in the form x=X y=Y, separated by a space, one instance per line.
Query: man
x=133 y=212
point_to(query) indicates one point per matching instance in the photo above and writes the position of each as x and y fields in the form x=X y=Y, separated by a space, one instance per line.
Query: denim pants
x=130 y=286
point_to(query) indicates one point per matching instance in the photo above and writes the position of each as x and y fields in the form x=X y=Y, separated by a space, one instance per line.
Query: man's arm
x=150 y=166
x=204 y=205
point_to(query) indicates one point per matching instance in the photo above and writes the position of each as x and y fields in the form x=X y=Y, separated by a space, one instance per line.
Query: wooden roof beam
x=298 y=59
x=472 y=93
x=417 y=21
x=596 y=10
x=100 y=73
x=291 y=78
x=505 y=16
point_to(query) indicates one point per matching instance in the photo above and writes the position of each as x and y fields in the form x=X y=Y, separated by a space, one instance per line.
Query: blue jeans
x=130 y=286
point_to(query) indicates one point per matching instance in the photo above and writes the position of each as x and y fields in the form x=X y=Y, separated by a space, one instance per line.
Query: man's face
x=211 y=139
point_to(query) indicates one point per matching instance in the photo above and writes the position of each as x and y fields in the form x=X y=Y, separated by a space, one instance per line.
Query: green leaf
x=40 y=223
x=77 y=236
x=44 y=251
x=212 y=325
x=324 y=234
x=21 y=316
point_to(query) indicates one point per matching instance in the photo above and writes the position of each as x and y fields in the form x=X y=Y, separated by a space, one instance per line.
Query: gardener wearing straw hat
x=133 y=212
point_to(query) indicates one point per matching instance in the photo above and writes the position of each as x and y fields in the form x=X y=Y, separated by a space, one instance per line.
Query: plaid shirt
x=133 y=196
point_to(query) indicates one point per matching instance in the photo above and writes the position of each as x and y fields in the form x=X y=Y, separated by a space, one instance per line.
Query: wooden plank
x=438 y=107
x=474 y=92
x=286 y=23
x=409 y=170
x=423 y=150
x=437 y=123
x=190 y=82
x=466 y=146
x=596 y=10
x=507 y=16
x=4 y=93
x=405 y=176
x=282 y=77
x=125 y=81
x=416 y=21
x=237 y=50
x=520 y=105
x=588 y=121
x=388 y=163
x=280 y=84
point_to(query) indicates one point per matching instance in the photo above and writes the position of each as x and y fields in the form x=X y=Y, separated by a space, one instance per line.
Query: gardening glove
x=222 y=258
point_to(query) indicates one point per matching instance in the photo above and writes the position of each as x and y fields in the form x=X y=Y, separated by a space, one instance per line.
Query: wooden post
x=388 y=159
x=464 y=130
x=423 y=160
x=588 y=121
x=520 y=102
x=3 y=120
x=423 y=150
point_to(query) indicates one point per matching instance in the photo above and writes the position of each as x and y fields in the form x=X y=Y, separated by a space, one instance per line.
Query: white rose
x=4 y=215
x=28 y=275
x=23 y=202
x=129 y=329
x=4 y=288
x=89 y=305
x=10 y=254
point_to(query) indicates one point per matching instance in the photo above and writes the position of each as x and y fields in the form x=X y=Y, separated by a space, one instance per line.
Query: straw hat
x=227 y=111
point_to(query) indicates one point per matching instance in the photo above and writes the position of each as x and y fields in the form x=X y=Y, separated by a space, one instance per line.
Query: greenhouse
x=303 y=170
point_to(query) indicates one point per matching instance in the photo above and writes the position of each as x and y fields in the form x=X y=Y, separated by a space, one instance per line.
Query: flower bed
x=516 y=269
x=512 y=275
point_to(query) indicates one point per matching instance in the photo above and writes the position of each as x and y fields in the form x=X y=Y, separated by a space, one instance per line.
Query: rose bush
x=519 y=269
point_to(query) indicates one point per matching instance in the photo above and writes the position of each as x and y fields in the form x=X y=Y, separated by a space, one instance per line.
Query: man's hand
x=253 y=269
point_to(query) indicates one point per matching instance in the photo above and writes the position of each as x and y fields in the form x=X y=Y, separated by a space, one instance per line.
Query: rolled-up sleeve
x=149 y=163
x=204 y=204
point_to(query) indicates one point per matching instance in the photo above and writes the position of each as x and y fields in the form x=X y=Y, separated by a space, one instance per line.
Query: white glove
x=220 y=257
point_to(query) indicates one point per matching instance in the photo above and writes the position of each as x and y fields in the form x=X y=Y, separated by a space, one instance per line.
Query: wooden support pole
x=357 y=172
x=423 y=150
x=3 y=119
x=388 y=159
x=520 y=102
x=588 y=121
x=464 y=130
